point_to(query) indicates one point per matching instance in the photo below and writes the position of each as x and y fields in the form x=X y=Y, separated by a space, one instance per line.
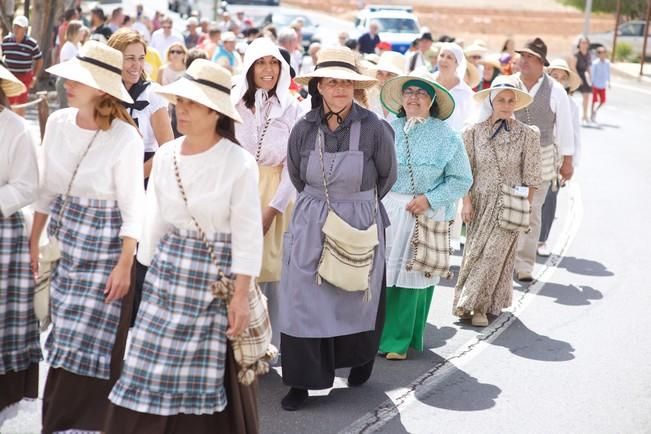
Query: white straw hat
x=338 y=63
x=391 y=61
x=98 y=66
x=10 y=85
x=574 y=80
x=492 y=60
x=507 y=82
x=475 y=50
x=391 y=95
x=472 y=77
x=206 y=83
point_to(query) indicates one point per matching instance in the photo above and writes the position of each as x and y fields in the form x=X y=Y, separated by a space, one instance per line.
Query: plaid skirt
x=83 y=325
x=177 y=356
x=19 y=337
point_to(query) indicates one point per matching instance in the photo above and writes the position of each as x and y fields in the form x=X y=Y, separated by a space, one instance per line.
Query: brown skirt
x=239 y=417
x=72 y=401
x=15 y=386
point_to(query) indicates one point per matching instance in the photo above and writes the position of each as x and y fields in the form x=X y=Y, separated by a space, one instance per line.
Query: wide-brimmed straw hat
x=10 y=85
x=574 y=80
x=206 y=83
x=391 y=95
x=492 y=60
x=507 y=82
x=98 y=66
x=391 y=61
x=338 y=63
x=475 y=49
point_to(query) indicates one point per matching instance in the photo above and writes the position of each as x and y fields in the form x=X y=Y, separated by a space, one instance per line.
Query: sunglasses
x=176 y=52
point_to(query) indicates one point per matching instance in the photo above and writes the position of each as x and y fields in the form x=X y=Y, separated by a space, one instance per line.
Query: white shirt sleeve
x=20 y=188
x=46 y=195
x=576 y=127
x=130 y=200
x=246 y=222
x=563 y=131
x=154 y=225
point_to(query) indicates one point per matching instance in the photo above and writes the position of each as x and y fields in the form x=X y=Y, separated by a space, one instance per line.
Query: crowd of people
x=340 y=189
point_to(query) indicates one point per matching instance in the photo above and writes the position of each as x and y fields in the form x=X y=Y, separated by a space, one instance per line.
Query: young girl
x=92 y=190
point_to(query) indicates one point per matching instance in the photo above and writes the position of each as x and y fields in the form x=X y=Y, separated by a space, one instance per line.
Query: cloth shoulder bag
x=513 y=210
x=348 y=253
x=252 y=350
x=49 y=256
x=430 y=241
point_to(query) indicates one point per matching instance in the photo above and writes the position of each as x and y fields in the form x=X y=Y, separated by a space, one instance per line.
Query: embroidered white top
x=274 y=145
x=112 y=169
x=18 y=167
x=221 y=185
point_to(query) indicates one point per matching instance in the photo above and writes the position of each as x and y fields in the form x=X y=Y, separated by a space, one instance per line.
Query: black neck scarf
x=135 y=92
x=330 y=114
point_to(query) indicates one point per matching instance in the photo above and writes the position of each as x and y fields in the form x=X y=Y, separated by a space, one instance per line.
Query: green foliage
x=630 y=8
x=624 y=52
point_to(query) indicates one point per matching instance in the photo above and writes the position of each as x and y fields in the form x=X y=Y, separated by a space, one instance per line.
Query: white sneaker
x=544 y=251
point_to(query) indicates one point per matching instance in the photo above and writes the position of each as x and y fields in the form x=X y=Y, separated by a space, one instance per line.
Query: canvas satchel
x=252 y=349
x=348 y=253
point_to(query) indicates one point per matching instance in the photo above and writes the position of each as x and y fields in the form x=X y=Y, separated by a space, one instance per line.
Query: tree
x=44 y=14
x=630 y=8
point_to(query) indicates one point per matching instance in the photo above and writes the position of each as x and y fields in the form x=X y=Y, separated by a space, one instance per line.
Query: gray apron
x=309 y=310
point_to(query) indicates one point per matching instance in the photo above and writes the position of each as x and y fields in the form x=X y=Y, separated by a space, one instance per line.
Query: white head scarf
x=457 y=51
x=486 y=108
x=262 y=47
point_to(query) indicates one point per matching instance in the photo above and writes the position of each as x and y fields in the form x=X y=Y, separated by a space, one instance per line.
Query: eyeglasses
x=418 y=93
x=176 y=52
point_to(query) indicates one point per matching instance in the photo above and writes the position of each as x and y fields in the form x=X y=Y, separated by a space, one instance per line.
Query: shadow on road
x=524 y=342
x=436 y=337
x=571 y=295
x=586 y=267
x=460 y=391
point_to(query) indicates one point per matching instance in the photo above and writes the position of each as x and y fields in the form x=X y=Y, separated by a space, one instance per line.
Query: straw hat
x=574 y=81
x=475 y=50
x=338 y=63
x=492 y=60
x=98 y=66
x=206 y=83
x=391 y=95
x=10 y=85
x=473 y=76
x=507 y=82
x=391 y=61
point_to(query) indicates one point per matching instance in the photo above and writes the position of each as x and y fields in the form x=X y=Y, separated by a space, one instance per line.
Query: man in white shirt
x=288 y=39
x=162 y=38
x=551 y=113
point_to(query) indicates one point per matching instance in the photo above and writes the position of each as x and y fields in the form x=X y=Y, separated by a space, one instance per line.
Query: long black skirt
x=310 y=363
x=14 y=386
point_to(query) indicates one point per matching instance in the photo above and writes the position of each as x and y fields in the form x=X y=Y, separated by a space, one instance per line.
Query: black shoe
x=360 y=374
x=294 y=399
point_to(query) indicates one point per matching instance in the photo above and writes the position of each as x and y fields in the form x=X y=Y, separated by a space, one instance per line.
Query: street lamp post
x=586 y=21
x=645 y=35
x=618 y=16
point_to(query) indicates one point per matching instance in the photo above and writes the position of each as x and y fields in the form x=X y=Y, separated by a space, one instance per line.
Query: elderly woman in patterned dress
x=433 y=153
x=499 y=147
x=180 y=374
x=19 y=344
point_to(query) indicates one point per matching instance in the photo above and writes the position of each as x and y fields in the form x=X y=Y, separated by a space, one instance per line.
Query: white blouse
x=112 y=169
x=465 y=107
x=274 y=146
x=18 y=166
x=156 y=102
x=221 y=185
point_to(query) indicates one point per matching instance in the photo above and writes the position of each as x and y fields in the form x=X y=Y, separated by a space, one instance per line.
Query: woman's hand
x=268 y=216
x=238 y=314
x=467 y=212
x=34 y=251
x=418 y=205
x=118 y=282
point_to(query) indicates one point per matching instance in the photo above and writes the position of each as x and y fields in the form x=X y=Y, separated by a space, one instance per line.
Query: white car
x=629 y=32
x=398 y=25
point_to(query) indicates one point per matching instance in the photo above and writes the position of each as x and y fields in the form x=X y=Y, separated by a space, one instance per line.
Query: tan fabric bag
x=49 y=256
x=252 y=350
x=348 y=253
x=430 y=240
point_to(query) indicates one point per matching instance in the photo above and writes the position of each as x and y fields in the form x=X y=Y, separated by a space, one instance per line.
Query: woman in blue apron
x=92 y=190
x=20 y=350
x=180 y=374
x=345 y=147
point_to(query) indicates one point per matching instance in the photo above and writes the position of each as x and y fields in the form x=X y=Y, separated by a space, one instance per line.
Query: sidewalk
x=632 y=70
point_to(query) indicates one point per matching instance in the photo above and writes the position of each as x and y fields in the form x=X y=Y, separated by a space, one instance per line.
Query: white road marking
x=402 y=399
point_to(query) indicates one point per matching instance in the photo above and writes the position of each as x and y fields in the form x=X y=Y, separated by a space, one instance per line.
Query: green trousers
x=406 y=317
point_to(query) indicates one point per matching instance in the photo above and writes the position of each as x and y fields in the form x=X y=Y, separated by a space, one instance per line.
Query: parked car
x=285 y=19
x=630 y=32
x=398 y=25
x=255 y=2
